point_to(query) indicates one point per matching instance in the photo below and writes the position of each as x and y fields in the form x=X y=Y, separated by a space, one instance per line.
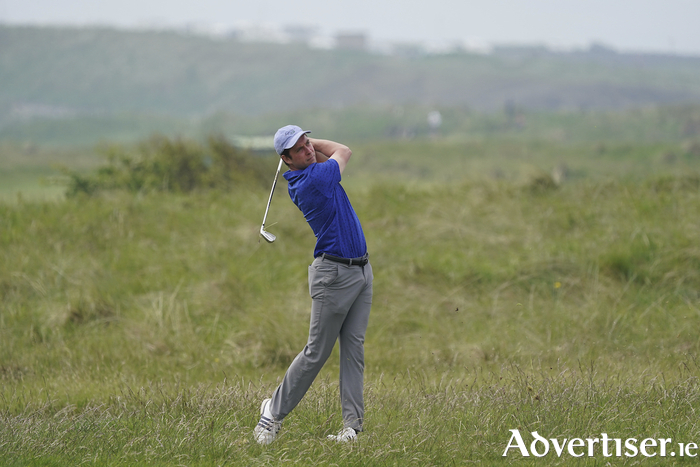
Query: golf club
x=269 y=237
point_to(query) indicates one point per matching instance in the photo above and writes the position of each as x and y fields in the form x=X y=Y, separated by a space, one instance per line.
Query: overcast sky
x=627 y=25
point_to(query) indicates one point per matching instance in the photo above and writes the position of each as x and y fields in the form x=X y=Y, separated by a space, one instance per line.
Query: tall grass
x=145 y=328
x=421 y=418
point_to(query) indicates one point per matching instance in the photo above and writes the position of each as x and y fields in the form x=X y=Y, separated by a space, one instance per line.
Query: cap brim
x=294 y=138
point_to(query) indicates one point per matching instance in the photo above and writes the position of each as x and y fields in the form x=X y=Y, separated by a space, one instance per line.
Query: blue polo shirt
x=317 y=192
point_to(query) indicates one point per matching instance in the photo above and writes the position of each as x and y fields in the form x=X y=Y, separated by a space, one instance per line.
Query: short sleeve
x=325 y=176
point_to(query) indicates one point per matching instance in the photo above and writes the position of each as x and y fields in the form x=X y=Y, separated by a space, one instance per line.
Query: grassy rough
x=145 y=329
x=414 y=419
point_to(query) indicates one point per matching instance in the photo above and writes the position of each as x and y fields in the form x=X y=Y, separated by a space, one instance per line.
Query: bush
x=175 y=165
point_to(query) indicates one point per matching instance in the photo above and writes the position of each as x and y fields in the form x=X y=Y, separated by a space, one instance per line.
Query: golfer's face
x=301 y=155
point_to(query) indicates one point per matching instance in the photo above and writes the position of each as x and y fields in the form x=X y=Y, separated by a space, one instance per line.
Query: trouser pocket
x=322 y=274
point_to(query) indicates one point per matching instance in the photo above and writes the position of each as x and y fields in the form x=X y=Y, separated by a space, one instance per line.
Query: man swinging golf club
x=340 y=282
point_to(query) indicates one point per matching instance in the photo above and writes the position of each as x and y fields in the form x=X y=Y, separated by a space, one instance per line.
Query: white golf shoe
x=345 y=435
x=266 y=430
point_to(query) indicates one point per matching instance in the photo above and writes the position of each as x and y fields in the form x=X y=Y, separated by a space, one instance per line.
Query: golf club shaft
x=272 y=191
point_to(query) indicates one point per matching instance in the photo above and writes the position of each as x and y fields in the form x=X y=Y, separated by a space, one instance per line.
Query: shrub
x=175 y=165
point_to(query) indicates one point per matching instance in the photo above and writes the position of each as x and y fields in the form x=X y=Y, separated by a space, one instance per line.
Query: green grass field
x=145 y=329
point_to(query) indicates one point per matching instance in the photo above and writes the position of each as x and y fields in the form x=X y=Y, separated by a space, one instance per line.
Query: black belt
x=361 y=261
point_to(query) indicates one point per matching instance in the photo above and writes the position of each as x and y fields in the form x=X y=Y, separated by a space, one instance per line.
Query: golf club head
x=267 y=235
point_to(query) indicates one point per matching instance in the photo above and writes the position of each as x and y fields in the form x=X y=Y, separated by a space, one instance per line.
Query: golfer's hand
x=337 y=151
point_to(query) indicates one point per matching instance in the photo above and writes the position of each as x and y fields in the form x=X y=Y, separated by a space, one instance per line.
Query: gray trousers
x=341 y=301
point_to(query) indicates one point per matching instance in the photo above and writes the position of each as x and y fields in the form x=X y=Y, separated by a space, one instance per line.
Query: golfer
x=340 y=282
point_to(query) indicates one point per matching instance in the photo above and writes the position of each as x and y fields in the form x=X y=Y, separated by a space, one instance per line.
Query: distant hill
x=59 y=72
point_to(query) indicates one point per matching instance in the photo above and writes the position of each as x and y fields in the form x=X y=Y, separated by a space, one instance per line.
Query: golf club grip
x=272 y=191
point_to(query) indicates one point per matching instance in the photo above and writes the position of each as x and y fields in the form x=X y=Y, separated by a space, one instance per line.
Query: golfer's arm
x=332 y=150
